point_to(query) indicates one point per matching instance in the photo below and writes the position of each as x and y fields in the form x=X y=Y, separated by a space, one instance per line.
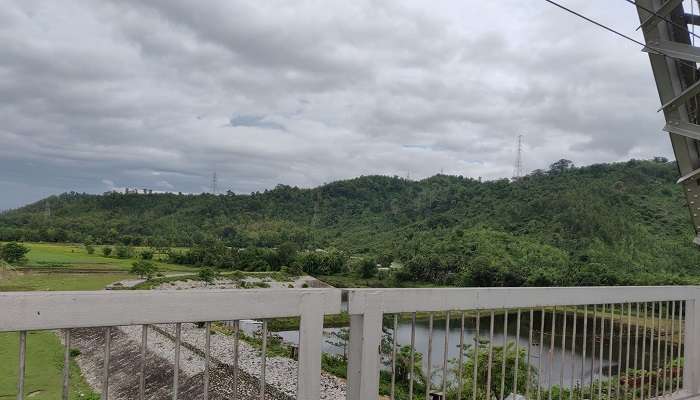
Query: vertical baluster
x=428 y=374
x=475 y=356
x=142 y=372
x=263 y=356
x=619 y=350
x=444 y=356
x=207 y=357
x=651 y=347
x=22 y=364
x=658 y=350
x=573 y=354
x=601 y=355
x=593 y=347
x=644 y=352
x=66 y=365
x=393 y=356
x=176 y=367
x=490 y=358
x=627 y=353
x=681 y=333
x=666 y=334
x=412 y=357
x=584 y=343
x=105 y=364
x=517 y=353
x=553 y=335
x=563 y=355
x=529 y=353
x=610 y=348
x=539 y=361
x=636 y=353
x=461 y=359
x=673 y=333
x=503 y=355
x=236 y=352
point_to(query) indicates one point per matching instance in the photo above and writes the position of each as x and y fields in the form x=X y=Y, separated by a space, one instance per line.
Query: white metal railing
x=29 y=311
x=648 y=330
x=652 y=328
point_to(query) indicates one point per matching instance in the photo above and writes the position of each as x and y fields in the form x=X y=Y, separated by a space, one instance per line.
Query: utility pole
x=213 y=183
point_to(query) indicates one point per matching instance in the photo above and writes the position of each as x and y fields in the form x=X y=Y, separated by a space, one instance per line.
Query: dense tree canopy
x=621 y=223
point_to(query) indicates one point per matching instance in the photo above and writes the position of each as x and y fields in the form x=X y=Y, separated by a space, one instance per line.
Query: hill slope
x=623 y=223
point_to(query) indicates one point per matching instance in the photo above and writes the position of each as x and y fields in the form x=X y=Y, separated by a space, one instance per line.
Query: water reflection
x=555 y=364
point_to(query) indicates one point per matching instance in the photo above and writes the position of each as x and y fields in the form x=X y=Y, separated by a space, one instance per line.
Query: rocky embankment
x=125 y=358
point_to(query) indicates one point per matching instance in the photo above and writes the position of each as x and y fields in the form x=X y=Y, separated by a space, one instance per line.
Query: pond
x=559 y=363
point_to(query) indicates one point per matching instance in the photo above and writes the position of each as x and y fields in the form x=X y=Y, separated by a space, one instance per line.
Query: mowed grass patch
x=44 y=368
x=74 y=256
x=30 y=281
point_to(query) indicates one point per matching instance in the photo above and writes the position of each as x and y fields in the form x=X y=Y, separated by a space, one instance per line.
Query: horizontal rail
x=56 y=310
x=444 y=299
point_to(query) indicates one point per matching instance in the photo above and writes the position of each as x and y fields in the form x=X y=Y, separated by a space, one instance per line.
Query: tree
x=560 y=166
x=208 y=275
x=144 y=268
x=366 y=268
x=123 y=251
x=106 y=251
x=13 y=252
x=146 y=254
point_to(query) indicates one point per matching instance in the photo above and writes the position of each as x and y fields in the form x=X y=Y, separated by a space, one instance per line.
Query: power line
x=607 y=28
x=677 y=25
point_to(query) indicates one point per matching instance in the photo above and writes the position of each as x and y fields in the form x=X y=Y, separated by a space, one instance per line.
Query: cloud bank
x=96 y=95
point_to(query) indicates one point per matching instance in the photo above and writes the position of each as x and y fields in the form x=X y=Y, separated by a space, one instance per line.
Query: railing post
x=691 y=342
x=363 y=361
x=310 y=337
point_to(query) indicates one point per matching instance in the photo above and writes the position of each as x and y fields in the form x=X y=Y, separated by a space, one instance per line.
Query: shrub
x=208 y=275
x=13 y=252
x=123 y=251
x=147 y=254
x=74 y=352
x=90 y=249
x=365 y=268
x=144 y=268
x=106 y=251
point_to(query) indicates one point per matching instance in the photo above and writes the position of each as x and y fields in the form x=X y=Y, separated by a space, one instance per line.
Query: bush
x=90 y=249
x=144 y=268
x=106 y=251
x=365 y=268
x=74 y=352
x=123 y=251
x=147 y=254
x=208 y=275
x=13 y=252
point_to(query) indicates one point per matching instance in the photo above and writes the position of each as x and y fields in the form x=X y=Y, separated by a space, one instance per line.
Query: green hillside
x=621 y=223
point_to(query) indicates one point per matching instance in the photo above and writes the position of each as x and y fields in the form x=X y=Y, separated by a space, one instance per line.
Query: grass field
x=54 y=267
x=44 y=368
x=28 y=281
x=75 y=257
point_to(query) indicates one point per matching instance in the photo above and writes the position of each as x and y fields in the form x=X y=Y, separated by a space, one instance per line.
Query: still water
x=555 y=366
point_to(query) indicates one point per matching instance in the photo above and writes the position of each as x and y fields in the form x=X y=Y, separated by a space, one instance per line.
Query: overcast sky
x=98 y=94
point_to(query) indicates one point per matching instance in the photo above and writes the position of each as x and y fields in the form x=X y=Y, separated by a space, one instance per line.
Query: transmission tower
x=213 y=183
x=47 y=209
x=518 y=169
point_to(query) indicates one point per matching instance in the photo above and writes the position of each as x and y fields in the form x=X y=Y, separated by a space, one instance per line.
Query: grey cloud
x=141 y=94
x=259 y=121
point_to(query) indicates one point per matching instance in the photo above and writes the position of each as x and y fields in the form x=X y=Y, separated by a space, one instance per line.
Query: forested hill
x=623 y=222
